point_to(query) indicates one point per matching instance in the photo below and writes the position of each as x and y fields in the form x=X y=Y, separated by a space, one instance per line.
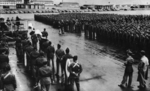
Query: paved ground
x=102 y=65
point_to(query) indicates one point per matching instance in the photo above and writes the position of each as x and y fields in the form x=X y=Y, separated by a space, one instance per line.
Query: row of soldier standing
x=7 y=78
x=38 y=58
x=10 y=25
x=124 y=31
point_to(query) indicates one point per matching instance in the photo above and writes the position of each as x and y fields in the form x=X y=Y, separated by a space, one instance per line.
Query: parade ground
x=102 y=64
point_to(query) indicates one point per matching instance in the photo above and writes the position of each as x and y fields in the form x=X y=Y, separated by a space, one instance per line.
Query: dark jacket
x=44 y=74
x=9 y=82
x=50 y=52
x=45 y=71
x=4 y=60
x=34 y=38
x=29 y=49
x=42 y=44
x=34 y=55
x=39 y=61
x=75 y=69
x=128 y=64
x=60 y=53
x=64 y=59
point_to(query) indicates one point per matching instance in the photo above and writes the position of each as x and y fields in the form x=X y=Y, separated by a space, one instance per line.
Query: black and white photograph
x=74 y=45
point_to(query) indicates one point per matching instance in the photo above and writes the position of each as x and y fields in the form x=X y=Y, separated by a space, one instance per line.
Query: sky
x=81 y=2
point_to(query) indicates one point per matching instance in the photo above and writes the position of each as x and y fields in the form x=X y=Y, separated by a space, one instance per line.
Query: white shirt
x=145 y=60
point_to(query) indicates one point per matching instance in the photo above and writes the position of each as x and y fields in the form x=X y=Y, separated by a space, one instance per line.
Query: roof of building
x=69 y=3
x=11 y=0
x=42 y=0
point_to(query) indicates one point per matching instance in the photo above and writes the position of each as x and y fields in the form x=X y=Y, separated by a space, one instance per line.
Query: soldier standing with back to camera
x=44 y=74
x=34 y=39
x=63 y=64
x=59 y=54
x=45 y=33
x=128 y=70
x=33 y=56
x=50 y=57
x=75 y=71
x=143 y=70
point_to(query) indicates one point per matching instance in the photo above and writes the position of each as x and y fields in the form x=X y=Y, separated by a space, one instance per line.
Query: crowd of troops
x=39 y=61
x=10 y=24
x=124 y=31
x=37 y=54
x=7 y=78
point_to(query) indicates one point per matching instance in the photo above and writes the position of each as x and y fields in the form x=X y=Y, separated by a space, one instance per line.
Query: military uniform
x=34 y=40
x=45 y=34
x=4 y=60
x=59 y=54
x=43 y=44
x=17 y=22
x=75 y=70
x=50 y=57
x=44 y=74
x=9 y=82
x=63 y=65
x=29 y=49
x=33 y=56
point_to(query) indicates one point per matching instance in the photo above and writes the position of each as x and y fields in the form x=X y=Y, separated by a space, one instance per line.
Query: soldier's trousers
x=76 y=81
x=53 y=68
x=34 y=74
x=34 y=44
x=125 y=78
x=63 y=66
x=58 y=64
x=46 y=86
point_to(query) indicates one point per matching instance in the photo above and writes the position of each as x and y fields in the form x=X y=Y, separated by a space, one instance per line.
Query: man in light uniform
x=30 y=28
x=143 y=70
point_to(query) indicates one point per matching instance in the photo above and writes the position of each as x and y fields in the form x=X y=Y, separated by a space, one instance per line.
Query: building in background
x=36 y=4
x=48 y=4
x=10 y=4
x=69 y=5
x=88 y=6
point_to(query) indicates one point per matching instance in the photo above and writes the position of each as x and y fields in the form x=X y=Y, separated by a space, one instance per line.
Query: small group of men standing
x=40 y=62
x=142 y=70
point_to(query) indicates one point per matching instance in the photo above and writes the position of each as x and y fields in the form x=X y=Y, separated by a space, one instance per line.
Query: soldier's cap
x=142 y=52
x=67 y=50
x=75 y=57
x=58 y=45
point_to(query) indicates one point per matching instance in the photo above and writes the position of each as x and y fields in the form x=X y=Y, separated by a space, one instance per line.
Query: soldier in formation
x=59 y=54
x=7 y=79
x=124 y=31
x=40 y=63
